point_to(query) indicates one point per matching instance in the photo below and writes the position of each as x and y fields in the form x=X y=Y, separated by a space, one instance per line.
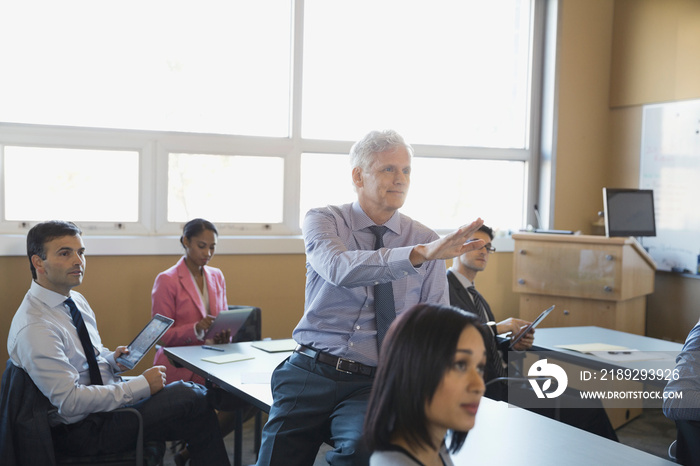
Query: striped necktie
x=479 y=303
x=384 y=309
x=95 y=377
x=496 y=364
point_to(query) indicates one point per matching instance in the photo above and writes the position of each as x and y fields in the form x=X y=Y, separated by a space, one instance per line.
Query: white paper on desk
x=226 y=358
x=275 y=346
x=628 y=355
x=590 y=347
x=256 y=377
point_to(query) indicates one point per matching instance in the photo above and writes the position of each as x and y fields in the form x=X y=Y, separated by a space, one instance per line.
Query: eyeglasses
x=489 y=248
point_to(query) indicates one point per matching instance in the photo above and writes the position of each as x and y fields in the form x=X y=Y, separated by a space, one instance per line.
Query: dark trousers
x=314 y=403
x=180 y=411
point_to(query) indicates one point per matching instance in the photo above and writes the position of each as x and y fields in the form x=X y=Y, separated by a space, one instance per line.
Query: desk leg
x=258 y=433
x=238 y=440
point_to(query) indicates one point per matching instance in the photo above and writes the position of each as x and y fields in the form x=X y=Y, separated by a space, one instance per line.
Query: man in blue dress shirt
x=320 y=393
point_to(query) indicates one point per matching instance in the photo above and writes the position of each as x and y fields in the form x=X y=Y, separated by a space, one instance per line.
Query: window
x=446 y=72
x=77 y=184
x=221 y=189
x=445 y=192
x=244 y=112
x=214 y=67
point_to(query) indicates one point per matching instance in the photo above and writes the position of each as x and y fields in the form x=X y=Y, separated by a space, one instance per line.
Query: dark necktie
x=479 y=304
x=95 y=377
x=384 y=309
x=496 y=365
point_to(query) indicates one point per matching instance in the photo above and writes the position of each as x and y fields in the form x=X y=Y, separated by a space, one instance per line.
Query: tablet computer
x=230 y=319
x=534 y=324
x=145 y=340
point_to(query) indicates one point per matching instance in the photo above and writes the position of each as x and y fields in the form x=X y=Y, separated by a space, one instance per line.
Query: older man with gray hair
x=366 y=263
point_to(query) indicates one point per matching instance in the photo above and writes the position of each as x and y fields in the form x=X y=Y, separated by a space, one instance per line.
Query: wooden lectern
x=592 y=280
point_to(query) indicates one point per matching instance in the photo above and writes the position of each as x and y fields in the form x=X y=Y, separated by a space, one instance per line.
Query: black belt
x=340 y=364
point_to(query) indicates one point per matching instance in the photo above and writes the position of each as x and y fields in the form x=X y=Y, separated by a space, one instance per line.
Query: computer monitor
x=629 y=212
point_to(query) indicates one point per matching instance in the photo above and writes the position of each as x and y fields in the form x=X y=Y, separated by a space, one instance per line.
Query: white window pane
x=326 y=179
x=452 y=72
x=225 y=189
x=213 y=66
x=71 y=184
x=447 y=193
x=444 y=193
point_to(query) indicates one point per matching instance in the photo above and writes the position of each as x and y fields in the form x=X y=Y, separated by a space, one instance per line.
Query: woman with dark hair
x=192 y=293
x=429 y=380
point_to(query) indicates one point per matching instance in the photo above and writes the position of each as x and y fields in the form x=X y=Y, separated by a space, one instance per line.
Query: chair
x=25 y=435
x=687 y=442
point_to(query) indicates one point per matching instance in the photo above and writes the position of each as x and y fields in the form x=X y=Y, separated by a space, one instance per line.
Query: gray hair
x=373 y=143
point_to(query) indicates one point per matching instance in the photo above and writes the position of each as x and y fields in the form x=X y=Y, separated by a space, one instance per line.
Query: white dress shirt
x=44 y=342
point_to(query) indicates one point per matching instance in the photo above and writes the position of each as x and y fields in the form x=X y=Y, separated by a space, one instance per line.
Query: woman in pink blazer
x=191 y=293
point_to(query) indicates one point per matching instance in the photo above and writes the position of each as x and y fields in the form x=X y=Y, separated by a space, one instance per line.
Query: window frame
x=153 y=235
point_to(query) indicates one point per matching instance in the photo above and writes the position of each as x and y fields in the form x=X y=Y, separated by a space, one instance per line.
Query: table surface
x=548 y=339
x=505 y=431
x=248 y=379
x=533 y=438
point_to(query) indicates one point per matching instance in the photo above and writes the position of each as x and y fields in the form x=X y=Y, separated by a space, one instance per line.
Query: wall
x=583 y=125
x=119 y=291
x=655 y=51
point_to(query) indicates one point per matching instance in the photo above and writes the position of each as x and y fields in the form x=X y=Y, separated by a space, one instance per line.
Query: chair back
x=688 y=442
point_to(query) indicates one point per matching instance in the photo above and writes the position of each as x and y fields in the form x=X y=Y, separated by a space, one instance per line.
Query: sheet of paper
x=629 y=355
x=275 y=346
x=226 y=358
x=589 y=347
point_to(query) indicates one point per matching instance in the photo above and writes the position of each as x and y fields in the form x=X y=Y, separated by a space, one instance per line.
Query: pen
x=212 y=348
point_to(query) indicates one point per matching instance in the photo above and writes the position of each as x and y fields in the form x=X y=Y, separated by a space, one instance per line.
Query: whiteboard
x=670 y=165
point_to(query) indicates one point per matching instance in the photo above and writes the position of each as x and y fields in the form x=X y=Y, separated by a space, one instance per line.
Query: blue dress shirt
x=688 y=366
x=342 y=269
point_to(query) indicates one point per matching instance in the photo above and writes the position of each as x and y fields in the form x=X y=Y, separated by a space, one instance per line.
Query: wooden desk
x=593 y=280
x=506 y=434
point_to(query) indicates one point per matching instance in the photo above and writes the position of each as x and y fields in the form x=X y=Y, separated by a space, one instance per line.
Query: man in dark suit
x=463 y=294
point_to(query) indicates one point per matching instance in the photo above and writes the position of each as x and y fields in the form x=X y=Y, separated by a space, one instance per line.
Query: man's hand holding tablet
x=528 y=331
x=513 y=327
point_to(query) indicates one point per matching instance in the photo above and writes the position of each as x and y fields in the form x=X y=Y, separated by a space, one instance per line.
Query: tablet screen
x=534 y=324
x=145 y=340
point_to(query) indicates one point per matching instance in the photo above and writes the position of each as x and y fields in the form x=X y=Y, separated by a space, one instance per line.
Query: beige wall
x=119 y=290
x=583 y=126
x=655 y=51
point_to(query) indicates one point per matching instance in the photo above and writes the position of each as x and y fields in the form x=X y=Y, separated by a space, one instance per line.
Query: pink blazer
x=175 y=295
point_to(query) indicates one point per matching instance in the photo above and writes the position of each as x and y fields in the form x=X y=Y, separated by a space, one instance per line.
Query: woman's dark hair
x=42 y=233
x=195 y=227
x=418 y=350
